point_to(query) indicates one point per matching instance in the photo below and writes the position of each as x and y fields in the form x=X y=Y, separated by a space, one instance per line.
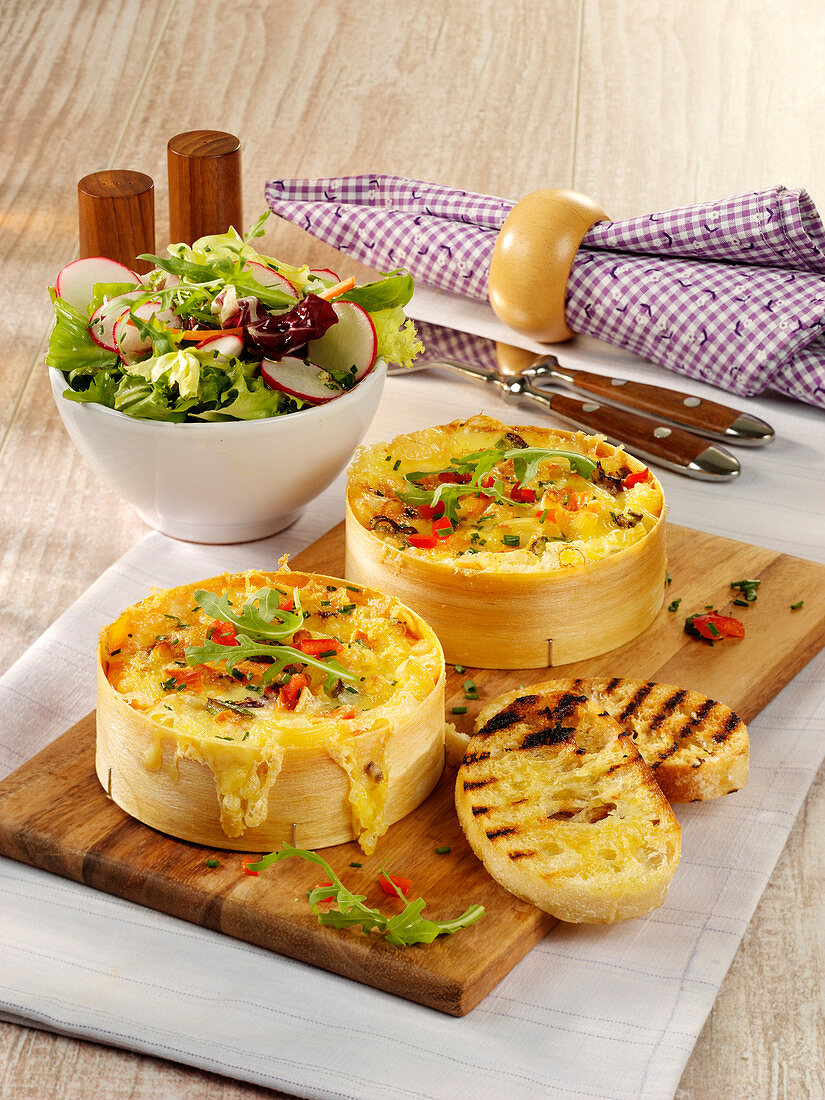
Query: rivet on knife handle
x=654 y=442
x=697 y=414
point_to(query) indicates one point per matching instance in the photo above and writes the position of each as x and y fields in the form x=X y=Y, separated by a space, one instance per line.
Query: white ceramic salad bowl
x=221 y=482
x=223 y=390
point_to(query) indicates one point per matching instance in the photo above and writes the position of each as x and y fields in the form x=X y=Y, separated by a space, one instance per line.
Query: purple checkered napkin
x=730 y=292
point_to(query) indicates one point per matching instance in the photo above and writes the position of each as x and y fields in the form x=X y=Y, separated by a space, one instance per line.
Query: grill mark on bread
x=636 y=701
x=518 y=854
x=509 y=716
x=475 y=757
x=664 y=754
x=563 y=706
x=475 y=784
x=494 y=834
x=551 y=735
x=667 y=708
x=730 y=725
x=701 y=713
x=479 y=810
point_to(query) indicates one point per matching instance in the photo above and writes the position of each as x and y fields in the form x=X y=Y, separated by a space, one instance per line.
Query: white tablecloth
x=591 y=1012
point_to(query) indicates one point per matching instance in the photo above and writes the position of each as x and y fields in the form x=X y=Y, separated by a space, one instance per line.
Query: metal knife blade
x=653 y=441
x=707 y=418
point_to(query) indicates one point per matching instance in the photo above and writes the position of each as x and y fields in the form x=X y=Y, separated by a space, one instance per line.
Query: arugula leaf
x=263 y=629
x=479 y=464
x=394 y=289
x=246 y=649
x=401 y=930
x=184 y=269
x=267 y=620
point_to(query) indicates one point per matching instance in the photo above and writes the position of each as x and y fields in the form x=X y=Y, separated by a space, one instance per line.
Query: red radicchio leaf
x=285 y=333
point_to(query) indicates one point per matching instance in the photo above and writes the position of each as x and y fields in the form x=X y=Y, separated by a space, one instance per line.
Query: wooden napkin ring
x=532 y=260
x=116 y=217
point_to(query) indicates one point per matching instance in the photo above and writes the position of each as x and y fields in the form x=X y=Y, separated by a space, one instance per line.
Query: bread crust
x=557 y=802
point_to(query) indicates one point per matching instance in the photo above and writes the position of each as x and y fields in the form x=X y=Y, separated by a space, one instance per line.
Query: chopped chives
x=212 y=863
x=356 y=864
x=511 y=540
x=458 y=710
x=347 y=608
x=460 y=668
x=674 y=604
x=444 y=850
x=796 y=606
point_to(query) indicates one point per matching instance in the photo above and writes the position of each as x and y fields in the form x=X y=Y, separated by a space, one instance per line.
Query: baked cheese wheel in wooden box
x=522 y=547
x=255 y=709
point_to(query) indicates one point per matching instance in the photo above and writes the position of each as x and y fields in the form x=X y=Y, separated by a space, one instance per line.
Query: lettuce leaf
x=249 y=399
x=398 y=342
x=71 y=348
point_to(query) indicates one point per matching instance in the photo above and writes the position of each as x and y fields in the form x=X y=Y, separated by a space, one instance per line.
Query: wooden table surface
x=643 y=105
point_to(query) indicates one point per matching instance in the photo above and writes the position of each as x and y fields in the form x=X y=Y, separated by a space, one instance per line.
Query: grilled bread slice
x=698 y=748
x=558 y=804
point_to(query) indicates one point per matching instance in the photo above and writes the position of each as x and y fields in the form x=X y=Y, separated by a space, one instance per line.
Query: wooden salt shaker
x=204 y=169
x=116 y=217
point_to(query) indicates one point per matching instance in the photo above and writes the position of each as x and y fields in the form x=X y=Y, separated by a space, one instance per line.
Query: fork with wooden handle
x=656 y=439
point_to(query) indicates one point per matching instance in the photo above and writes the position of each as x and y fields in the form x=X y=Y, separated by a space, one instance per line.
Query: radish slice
x=267 y=277
x=224 y=347
x=75 y=283
x=300 y=379
x=130 y=344
x=325 y=275
x=105 y=317
x=350 y=343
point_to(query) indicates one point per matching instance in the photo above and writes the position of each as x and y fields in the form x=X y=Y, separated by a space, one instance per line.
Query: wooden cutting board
x=55 y=815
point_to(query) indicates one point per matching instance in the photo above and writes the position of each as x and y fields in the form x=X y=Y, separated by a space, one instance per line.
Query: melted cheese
x=208 y=714
x=569 y=520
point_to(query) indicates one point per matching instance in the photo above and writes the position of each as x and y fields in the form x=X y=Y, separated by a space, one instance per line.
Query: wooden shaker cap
x=532 y=260
x=116 y=217
x=204 y=168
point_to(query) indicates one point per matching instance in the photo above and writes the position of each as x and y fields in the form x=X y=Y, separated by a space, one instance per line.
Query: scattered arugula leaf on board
x=401 y=930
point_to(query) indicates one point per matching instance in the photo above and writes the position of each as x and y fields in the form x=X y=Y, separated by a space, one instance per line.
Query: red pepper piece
x=450 y=478
x=287 y=605
x=314 y=647
x=442 y=528
x=713 y=626
x=388 y=884
x=522 y=496
x=223 y=634
x=488 y=481
x=191 y=677
x=422 y=542
x=431 y=511
x=291 y=690
x=247 y=871
x=324 y=882
x=634 y=479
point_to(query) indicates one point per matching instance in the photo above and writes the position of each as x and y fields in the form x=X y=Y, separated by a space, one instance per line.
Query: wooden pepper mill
x=204 y=169
x=116 y=217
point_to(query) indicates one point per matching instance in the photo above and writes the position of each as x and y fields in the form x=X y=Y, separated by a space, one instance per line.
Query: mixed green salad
x=217 y=331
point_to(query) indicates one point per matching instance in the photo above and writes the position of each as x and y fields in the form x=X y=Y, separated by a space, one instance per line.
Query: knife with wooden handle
x=650 y=439
x=696 y=414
